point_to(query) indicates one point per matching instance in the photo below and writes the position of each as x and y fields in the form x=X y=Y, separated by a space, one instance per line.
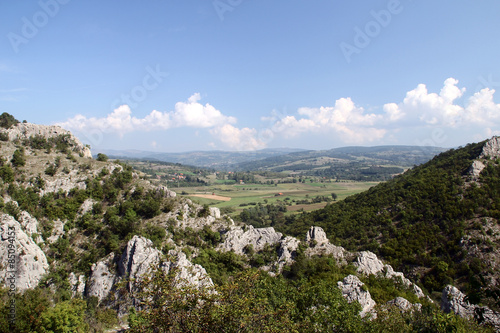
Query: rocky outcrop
x=352 y=290
x=163 y=191
x=23 y=131
x=22 y=261
x=454 y=300
x=65 y=184
x=404 y=305
x=367 y=263
x=57 y=231
x=30 y=226
x=102 y=278
x=237 y=239
x=187 y=272
x=320 y=245
x=491 y=148
x=476 y=168
x=286 y=252
x=77 y=284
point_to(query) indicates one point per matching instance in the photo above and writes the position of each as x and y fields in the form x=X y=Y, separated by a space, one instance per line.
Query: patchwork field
x=239 y=197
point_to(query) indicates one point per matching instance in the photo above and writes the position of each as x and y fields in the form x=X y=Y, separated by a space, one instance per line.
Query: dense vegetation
x=417 y=220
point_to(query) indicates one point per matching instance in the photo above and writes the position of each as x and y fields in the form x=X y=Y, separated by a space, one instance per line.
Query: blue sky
x=180 y=75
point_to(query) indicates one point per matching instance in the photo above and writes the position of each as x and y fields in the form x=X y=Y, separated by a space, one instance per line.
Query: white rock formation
x=491 y=148
x=454 y=300
x=102 y=278
x=320 y=245
x=237 y=239
x=288 y=246
x=215 y=212
x=77 y=284
x=368 y=263
x=26 y=130
x=476 y=168
x=404 y=305
x=57 y=231
x=352 y=290
x=27 y=261
x=187 y=274
x=86 y=206
x=30 y=225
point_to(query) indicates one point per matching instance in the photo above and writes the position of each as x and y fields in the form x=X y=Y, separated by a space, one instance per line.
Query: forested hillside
x=435 y=222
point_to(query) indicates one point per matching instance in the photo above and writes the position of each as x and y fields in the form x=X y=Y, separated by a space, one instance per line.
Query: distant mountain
x=209 y=159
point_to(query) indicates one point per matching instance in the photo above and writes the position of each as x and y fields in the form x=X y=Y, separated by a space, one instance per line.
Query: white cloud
x=350 y=123
x=236 y=138
x=121 y=121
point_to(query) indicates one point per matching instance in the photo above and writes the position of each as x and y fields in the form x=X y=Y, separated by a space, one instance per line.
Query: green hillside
x=419 y=220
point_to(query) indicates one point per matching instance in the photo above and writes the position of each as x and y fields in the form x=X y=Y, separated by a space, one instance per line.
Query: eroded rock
x=352 y=290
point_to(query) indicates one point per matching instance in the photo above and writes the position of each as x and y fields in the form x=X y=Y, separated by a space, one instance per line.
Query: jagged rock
x=320 y=245
x=77 y=284
x=237 y=239
x=316 y=234
x=165 y=192
x=102 y=278
x=491 y=148
x=288 y=246
x=138 y=258
x=454 y=300
x=26 y=130
x=30 y=226
x=188 y=273
x=30 y=262
x=476 y=168
x=66 y=184
x=215 y=212
x=367 y=263
x=352 y=290
x=404 y=305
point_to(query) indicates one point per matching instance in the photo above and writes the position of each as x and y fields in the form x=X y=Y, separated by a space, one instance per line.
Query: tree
x=102 y=157
x=334 y=196
x=7 y=120
x=18 y=159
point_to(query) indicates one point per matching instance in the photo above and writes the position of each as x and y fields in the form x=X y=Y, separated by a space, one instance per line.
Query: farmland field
x=243 y=196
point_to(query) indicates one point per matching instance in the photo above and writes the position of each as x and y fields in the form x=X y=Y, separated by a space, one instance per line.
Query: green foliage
x=102 y=157
x=68 y=316
x=7 y=120
x=18 y=159
x=6 y=173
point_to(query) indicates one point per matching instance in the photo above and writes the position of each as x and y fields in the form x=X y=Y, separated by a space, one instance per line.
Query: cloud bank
x=343 y=123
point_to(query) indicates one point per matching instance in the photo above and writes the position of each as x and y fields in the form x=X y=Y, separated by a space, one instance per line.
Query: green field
x=250 y=194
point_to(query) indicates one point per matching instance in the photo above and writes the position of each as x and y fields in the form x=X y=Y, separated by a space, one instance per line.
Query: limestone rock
x=404 y=305
x=86 y=206
x=138 y=258
x=215 y=212
x=352 y=290
x=165 y=192
x=320 y=245
x=26 y=130
x=237 y=239
x=30 y=225
x=491 y=148
x=57 y=231
x=367 y=263
x=102 y=278
x=317 y=234
x=77 y=284
x=30 y=262
x=476 y=168
x=454 y=300
x=288 y=246
x=188 y=273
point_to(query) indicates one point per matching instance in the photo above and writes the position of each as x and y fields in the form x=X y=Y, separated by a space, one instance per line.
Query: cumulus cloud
x=351 y=123
x=185 y=114
x=238 y=138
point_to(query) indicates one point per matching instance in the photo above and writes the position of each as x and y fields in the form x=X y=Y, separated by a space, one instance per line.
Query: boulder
x=367 y=263
x=352 y=290
x=316 y=234
x=237 y=239
x=404 y=305
x=22 y=261
x=102 y=278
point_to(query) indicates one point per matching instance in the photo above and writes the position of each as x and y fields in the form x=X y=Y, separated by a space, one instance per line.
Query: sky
x=184 y=75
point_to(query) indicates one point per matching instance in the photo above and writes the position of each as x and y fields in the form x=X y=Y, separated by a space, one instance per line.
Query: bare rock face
x=77 y=284
x=352 y=290
x=237 y=239
x=26 y=130
x=215 y=212
x=57 y=231
x=454 y=300
x=288 y=246
x=320 y=245
x=66 y=184
x=476 y=168
x=165 y=192
x=102 y=278
x=367 y=263
x=30 y=225
x=404 y=305
x=138 y=258
x=187 y=274
x=23 y=263
x=491 y=148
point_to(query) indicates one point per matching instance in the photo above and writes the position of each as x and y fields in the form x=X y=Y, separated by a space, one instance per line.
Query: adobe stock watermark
x=224 y=6
x=372 y=29
x=31 y=27
x=10 y=279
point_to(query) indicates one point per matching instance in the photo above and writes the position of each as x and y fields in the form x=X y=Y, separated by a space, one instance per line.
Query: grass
x=263 y=193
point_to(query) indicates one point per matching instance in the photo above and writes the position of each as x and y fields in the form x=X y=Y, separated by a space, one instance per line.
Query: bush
x=7 y=120
x=102 y=157
x=18 y=159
